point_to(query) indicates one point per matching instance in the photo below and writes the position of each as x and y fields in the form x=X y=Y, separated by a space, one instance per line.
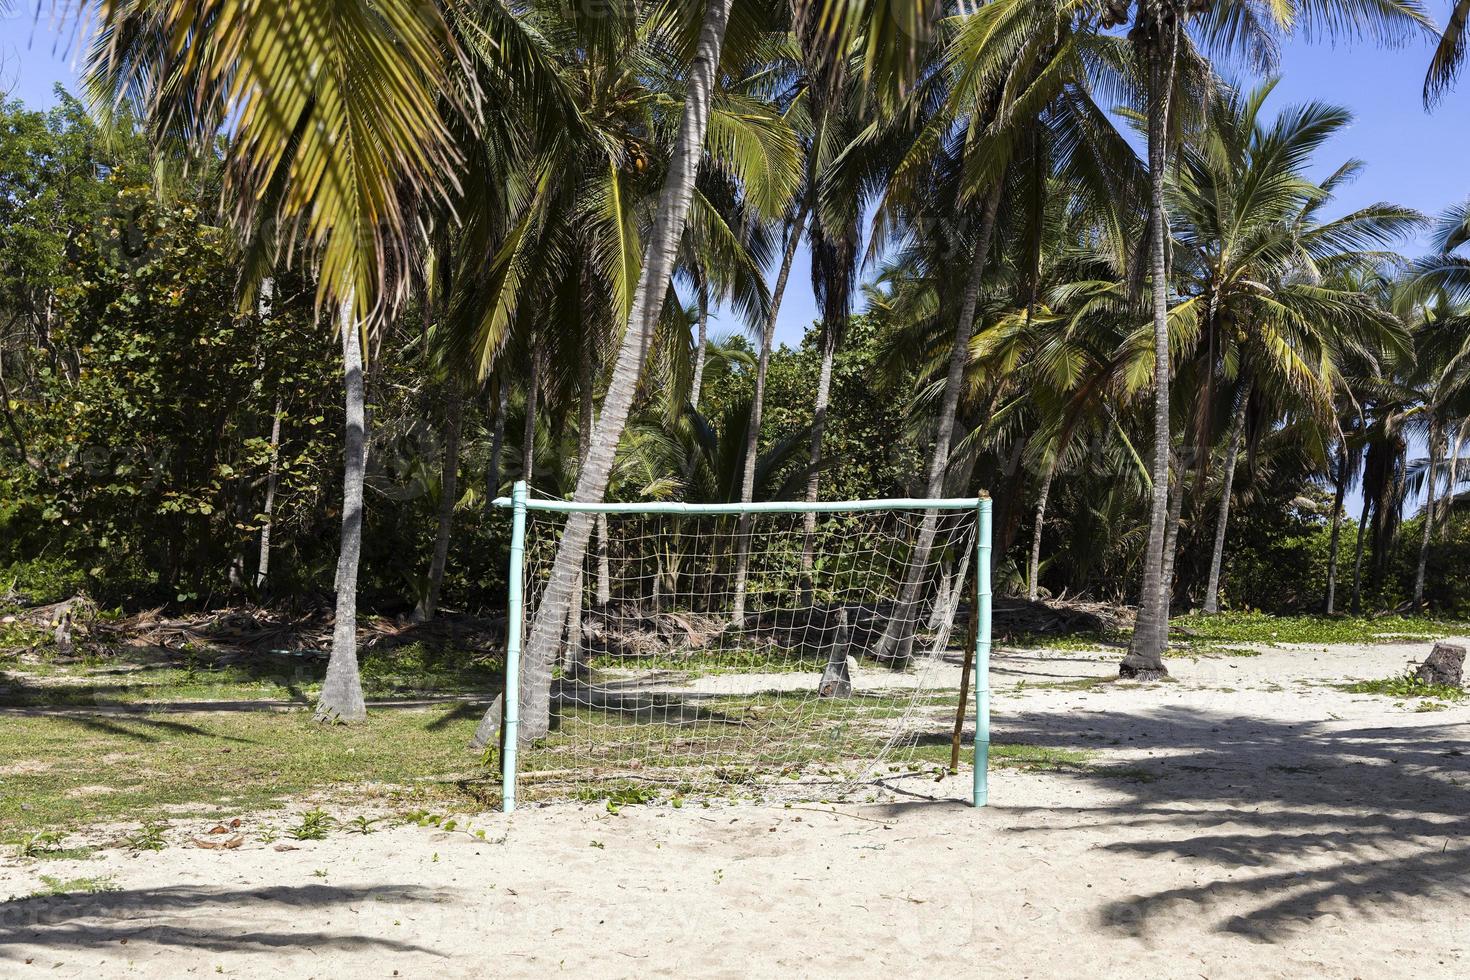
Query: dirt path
x=1249 y=820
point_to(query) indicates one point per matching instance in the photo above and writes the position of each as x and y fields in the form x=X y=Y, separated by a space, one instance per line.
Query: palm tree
x=341 y=697
x=793 y=234
x=336 y=132
x=1441 y=382
x=1161 y=34
x=648 y=301
x=1345 y=471
x=1449 y=55
x=843 y=24
x=1272 y=308
x=1020 y=91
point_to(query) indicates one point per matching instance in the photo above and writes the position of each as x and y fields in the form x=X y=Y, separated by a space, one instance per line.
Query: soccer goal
x=772 y=650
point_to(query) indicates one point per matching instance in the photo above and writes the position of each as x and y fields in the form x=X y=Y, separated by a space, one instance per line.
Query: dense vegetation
x=1169 y=368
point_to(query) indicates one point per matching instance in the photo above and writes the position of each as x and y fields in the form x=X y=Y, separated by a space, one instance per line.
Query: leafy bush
x=36 y=581
x=1407 y=686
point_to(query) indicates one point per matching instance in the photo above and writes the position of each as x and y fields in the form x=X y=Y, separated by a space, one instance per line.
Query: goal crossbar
x=755 y=507
x=520 y=503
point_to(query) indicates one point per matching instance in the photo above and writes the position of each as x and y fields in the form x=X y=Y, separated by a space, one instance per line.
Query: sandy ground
x=1249 y=820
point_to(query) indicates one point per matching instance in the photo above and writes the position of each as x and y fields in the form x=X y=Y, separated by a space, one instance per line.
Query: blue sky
x=1414 y=158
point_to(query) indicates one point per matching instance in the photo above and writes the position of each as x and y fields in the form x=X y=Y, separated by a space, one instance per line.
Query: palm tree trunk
x=1436 y=431
x=341 y=698
x=757 y=404
x=533 y=393
x=1232 y=453
x=1034 y=569
x=273 y=468
x=814 y=475
x=701 y=349
x=648 y=300
x=272 y=477
x=949 y=605
x=497 y=439
x=1357 y=606
x=448 y=494
x=1145 y=657
x=898 y=636
x=572 y=659
x=1447 y=511
x=1339 y=494
x=237 y=564
x=1171 y=552
x=604 y=566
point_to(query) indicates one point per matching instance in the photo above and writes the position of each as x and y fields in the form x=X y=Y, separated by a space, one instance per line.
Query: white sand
x=1272 y=826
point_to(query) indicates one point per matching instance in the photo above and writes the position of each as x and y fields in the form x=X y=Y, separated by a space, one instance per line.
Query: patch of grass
x=192 y=763
x=1068 y=641
x=362 y=825
x=53 y=886
x=1077 y=684
x=1193 y=652
x=410 y=670
x=1255 y=627
x=1039 y=758
x=1405 y=686
x=40 y=843
x=705 y=662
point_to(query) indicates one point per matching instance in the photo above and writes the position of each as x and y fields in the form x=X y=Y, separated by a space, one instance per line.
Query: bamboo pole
x=964 y=703
x=514 y=613
x=982 y=653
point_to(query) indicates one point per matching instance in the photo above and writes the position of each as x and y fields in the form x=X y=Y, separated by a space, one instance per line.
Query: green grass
x=1067 y=641
x=702 y=662
x=1194 y=652
x=1252 y=627
x=53 y=886
x=1406 y=686
x=1076 y=684
x=407 y=671
x=72 y=771
x=1039 y=758
x=1226 y=634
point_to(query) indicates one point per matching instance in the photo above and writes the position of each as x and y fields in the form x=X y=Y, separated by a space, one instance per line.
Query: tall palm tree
x=843 y=24
x=648 y=301
x=1163 y=34
x=1440 y=379
x=1020 y=81
x=337 y=134
x=794 y=230
x=1273 y=314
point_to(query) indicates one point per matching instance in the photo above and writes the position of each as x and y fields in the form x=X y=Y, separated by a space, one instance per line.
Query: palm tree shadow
x=1334 y=818
x=100 y=922
x=633 y=702
x=143 y=729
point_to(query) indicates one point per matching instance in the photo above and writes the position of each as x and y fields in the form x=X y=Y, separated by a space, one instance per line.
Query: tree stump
x=1445 y=665
x=837 y=677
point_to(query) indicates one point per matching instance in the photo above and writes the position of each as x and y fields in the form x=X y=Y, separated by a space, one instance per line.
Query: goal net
x=770 y=651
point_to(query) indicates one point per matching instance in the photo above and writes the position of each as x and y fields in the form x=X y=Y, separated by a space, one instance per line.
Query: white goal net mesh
x=753 y=656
